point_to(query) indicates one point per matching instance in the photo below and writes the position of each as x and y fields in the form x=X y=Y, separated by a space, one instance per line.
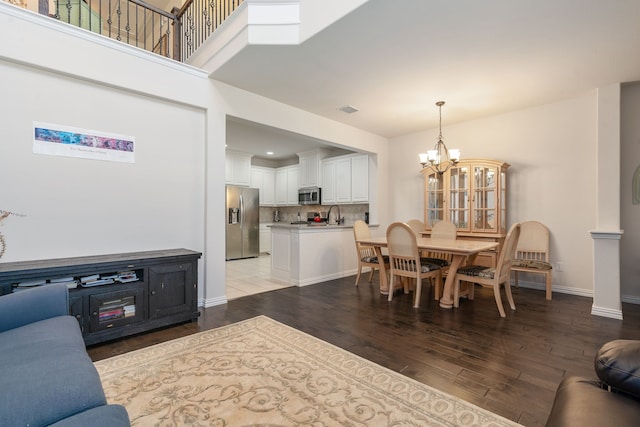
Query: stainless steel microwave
x=309 y=196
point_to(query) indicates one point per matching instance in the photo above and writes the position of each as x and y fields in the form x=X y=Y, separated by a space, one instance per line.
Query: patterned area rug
x=260 y=372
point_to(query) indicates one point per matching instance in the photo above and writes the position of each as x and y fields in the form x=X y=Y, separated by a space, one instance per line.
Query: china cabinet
x=472 y=195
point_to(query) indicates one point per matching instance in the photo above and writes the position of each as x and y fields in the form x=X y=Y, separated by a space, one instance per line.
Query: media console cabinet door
x=172 y=289
x=110 y=310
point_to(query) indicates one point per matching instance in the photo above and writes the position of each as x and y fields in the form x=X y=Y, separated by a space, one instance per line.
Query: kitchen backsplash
x=288 y=214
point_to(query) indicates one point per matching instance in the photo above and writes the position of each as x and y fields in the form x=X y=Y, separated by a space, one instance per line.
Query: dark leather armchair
x=613 y=399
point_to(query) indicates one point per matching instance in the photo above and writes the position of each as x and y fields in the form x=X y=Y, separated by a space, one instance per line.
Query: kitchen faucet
x=338 y=218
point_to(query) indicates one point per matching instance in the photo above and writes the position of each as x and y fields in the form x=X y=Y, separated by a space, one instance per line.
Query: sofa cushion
x=581 y=402
x=101 y=416
x=617 y=364
x=45 y=366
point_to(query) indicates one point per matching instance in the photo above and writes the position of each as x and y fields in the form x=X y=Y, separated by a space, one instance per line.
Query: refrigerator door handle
x=241 y=210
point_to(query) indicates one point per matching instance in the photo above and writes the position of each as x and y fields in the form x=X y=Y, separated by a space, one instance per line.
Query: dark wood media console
x=160 y=289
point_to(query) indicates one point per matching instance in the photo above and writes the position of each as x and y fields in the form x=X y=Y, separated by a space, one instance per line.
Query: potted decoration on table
x=4 y=215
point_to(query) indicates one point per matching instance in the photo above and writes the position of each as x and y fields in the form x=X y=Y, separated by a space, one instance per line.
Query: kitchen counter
x=305 y=226
x=304 y=254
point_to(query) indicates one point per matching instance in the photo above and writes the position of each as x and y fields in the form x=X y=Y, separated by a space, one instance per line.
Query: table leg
x=384 y=285
x=447 y=295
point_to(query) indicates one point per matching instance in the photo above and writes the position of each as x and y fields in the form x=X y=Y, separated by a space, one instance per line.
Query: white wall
x=630 y=213
x=76 y=206
x=173 y=196
x=83 y=207
x=551 y=150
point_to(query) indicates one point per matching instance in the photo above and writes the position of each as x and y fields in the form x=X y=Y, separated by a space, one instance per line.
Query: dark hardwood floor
x=509 y=366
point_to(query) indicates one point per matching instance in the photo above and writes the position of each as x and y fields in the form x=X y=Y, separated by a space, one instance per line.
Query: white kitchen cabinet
x=281 y=186
x=286 y=185
x=264 y=179
x=309 y=167
x=345 y=179
x=360 y=178
x=292 y=185
x=237 y=168
x=265 y=238
x=328 y=171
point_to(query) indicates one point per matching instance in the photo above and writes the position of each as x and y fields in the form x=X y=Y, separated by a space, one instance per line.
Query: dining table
x=460 y=249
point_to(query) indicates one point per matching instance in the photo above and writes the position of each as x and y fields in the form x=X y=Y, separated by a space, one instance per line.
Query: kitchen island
x=307 y=254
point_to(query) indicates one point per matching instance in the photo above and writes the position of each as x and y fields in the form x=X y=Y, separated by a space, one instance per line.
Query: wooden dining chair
x=366 y=254
x=532 y=253
x=441 y=230
x=489 y=276
x=417 y=226
x=404 y=259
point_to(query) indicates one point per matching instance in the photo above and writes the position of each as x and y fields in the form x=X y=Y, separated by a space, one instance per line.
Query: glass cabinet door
x=459 y=197
x=485 y=199
x=435 y=199
x=472 y=195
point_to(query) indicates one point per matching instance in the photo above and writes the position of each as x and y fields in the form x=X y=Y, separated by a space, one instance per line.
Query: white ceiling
x=258 y=139
x=394 y=59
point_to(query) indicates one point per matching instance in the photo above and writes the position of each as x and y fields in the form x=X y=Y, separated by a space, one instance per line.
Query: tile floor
x=250 y=276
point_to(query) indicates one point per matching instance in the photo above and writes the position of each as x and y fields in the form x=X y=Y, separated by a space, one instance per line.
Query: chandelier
x=440 y=159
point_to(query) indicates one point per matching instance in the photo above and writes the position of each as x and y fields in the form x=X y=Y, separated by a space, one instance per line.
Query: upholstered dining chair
x=404 y=260
x=444 y=230
x=416 y=225
x=441 y=230
x=532 y=253
x=491 y=276
x=366 y=254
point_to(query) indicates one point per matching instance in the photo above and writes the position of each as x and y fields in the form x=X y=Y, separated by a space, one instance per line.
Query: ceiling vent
x=348 y=109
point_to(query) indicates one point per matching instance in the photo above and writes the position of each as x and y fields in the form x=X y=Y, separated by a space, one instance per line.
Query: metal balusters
x=142 y=25
x=109 y=20
x=198 y=19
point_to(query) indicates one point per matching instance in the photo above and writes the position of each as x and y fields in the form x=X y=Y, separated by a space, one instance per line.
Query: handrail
x=153 y=8
x=140 y=24
x=199 y=19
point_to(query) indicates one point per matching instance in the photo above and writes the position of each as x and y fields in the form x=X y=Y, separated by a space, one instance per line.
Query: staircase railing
x=197 y=19
x=176 y=34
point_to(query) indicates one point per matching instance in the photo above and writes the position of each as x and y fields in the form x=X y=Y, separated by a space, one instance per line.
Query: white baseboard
x=325 y=278
x=606 y=312
x=210 y=302
x=559 y=289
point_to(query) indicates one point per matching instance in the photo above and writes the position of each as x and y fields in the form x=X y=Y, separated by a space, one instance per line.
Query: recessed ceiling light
x=269 y=153
x=349 y=109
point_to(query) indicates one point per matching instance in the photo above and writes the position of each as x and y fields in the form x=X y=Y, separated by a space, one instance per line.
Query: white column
x=606 y=236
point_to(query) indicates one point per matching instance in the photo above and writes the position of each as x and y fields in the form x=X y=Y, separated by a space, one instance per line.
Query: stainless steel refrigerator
x=243 y=222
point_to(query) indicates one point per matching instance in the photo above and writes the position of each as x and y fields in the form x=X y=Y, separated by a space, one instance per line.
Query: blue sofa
x=46 y=375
